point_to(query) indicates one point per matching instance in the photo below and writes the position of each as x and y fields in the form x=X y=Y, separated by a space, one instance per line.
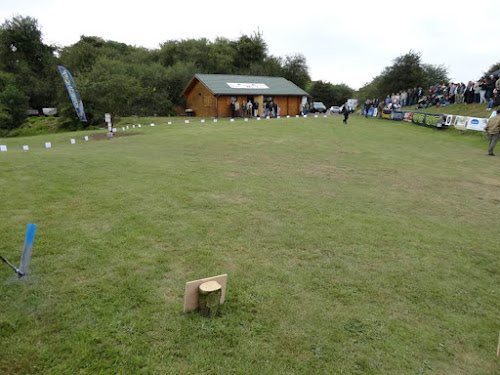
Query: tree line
x=125 y=80
x=118 y=78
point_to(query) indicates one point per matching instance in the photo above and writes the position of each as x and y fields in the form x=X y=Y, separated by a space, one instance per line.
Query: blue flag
x=69 y=82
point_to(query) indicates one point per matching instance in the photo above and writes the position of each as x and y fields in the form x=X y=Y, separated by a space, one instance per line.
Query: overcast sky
x=349 y=42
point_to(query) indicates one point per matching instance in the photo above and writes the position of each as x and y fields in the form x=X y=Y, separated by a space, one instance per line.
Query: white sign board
x=3 y=148
x=26 y=147
x=107 y=117
x=48 y=145
x=114 y=130
x=449 y=120
x=139 y=125
x=248 y=86
x=72 y=141
x=477 y=124
x=86 y=137
x=461 y=122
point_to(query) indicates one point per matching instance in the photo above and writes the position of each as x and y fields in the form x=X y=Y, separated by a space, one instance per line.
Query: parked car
x=318 y=107
x=334 y=109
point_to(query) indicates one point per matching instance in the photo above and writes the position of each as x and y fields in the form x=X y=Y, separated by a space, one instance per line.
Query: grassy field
x=371 y=248
x=472 y=110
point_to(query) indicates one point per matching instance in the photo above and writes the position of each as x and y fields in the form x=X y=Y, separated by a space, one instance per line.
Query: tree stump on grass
x=209 y=293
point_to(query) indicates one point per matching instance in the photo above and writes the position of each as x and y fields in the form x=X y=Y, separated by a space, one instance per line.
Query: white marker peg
x=48 y=145
x=86 y=137
x=186 y=121
x=123 y=128
x=152 y=124
x=72 y=141
x=127 y=127
x=26 y=148
x=169 y=123
x=139 y=125
x=3 y=148
x=133 y=126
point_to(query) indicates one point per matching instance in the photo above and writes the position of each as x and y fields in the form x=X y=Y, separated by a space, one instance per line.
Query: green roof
x=225 y=84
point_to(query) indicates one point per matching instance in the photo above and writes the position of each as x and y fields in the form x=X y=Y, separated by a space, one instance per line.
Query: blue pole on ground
x=28 y=249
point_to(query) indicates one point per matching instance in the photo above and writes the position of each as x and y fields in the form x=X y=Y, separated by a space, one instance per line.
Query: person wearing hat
x=492 y=130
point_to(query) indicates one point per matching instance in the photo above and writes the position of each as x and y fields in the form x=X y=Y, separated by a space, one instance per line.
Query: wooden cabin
x=211 y=95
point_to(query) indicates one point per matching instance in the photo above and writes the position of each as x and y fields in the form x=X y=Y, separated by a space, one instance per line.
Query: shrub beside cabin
x=210 y=95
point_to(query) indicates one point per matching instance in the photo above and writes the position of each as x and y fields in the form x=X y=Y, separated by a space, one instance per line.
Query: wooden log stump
x=209 y=294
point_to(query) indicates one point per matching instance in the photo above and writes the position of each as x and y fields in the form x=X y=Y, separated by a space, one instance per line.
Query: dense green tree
x=434 y=74
x=220 y=59
x=493 y=68
x=295 y=69
x=406 y=72
x=330 y=94
x=271 y=66
x=109 y=88
x=23 y=53
x=13 y=103
x=249 y=50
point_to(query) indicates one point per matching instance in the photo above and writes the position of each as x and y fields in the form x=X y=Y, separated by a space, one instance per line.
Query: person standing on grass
x=345 y=111
x=492 y=130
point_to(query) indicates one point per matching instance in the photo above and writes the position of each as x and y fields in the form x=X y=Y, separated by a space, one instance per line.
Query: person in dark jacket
x=345 y=111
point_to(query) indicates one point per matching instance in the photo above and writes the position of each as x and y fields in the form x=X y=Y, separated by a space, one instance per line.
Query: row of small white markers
x=3 y=148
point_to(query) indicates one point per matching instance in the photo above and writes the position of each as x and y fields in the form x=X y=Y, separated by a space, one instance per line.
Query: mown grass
x=472 y=110
x=370 y=248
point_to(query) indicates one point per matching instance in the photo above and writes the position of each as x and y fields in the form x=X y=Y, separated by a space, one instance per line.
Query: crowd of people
x=485 y=90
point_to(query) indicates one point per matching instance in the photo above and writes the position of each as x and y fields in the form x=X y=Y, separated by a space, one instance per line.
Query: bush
x=13 y=106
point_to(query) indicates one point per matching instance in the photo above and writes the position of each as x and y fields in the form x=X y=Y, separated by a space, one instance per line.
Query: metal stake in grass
x=28 y=249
